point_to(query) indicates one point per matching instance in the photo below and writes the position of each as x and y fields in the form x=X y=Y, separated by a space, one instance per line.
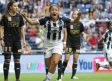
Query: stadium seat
x=84 y=11
x=106 y=15
x=80 y=6
x=56 y=1
x=66 y=10
x=88 y=6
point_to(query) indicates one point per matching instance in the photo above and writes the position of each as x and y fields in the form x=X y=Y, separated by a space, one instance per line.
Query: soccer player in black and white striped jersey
x=107 y=38
x=53 y=36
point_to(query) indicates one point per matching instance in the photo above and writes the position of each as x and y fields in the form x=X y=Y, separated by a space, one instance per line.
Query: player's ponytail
x=6 y=13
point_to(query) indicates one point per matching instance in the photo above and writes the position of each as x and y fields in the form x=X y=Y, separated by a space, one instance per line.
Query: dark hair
x=52 y=6
x=6 y=13
x=108 y=24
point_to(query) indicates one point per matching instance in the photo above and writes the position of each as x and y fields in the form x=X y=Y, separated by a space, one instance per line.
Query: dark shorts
x=12 y=47
x=70 y=50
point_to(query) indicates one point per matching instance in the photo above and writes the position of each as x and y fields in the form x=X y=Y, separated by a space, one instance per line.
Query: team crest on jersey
x=9 y=19
x=71 y=26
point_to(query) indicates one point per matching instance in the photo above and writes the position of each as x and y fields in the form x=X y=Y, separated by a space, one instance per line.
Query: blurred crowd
x=91 y=10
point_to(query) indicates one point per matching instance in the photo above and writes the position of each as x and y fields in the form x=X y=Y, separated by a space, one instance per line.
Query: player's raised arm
x=103 y=37
x=29 y=20
x=76 y=20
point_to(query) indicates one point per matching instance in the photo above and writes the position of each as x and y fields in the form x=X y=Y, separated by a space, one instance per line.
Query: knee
x=55 y=62
x=67 y=59
x=16 y=60
x=7 y=60
x=75 y=59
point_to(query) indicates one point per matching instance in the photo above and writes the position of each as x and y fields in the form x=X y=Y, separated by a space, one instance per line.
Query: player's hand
x=79 y=12
x=24 y=44
x=64 y=46
x=23 y=14
x=2 y=43
x=103 y=37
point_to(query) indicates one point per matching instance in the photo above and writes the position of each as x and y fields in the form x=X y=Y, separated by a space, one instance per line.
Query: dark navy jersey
x=12 y=27
x=73 y=34
x=53 y=30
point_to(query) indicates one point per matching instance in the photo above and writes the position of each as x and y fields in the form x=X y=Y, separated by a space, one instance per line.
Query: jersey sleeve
x=2 y=22
x=21 y=21
x=66 y=20
x=82 y=28
x=42 y=21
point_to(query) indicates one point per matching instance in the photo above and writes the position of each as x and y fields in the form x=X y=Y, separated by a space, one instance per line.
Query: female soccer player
x=12 y=24
x=107 y=38
x=73 y=44
x=53 y=36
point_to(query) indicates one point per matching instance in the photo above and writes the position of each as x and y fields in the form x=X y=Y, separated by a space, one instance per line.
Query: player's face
x=75 y=15
x=14 y=7
x=54 y=11
x=110 y=27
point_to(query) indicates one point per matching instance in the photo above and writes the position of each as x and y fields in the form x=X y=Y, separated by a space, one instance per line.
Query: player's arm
x=29 y=20
x=64 y=38
x=23 y=36
x=22 y=31
x=83 y=36
x=101 y=40
x=75 y=21
x=2 y=22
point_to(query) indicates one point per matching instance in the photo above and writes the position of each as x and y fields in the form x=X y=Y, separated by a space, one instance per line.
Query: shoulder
x=18 y=15
x=80 y=23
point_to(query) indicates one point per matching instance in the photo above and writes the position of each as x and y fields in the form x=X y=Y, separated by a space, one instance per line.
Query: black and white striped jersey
x=108 y=39
x=53 y=31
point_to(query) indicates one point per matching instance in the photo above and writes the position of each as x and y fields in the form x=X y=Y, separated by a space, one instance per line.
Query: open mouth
x=54 y=14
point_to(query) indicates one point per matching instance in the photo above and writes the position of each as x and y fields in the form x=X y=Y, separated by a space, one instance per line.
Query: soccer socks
x=17 y=70
x=64 y=66
x=74 y=68
x=47 y=70
x=59 y=69
x=48 y=77
x=6 y=70
x=106 y=66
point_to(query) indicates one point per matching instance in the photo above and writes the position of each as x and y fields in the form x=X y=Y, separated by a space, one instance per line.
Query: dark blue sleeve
x=66 y=20
x=42 y=21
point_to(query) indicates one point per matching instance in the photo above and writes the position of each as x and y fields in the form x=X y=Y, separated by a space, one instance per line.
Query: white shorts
x=49 y=50
x=108 y=55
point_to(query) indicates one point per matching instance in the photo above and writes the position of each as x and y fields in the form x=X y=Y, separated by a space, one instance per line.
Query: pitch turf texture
x=105 y=76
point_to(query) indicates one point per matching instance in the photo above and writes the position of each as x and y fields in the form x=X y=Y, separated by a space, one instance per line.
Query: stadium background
x=95 y=17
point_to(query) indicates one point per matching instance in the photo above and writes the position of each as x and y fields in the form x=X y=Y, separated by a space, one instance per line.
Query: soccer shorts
x=50 y=50
x=108 y=55
x=14 y=47
x=70 y=50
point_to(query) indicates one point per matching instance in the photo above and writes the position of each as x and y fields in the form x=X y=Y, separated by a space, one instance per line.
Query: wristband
x=64 y=42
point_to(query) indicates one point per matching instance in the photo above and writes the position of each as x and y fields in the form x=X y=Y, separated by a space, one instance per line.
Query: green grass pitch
x=104 y=76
